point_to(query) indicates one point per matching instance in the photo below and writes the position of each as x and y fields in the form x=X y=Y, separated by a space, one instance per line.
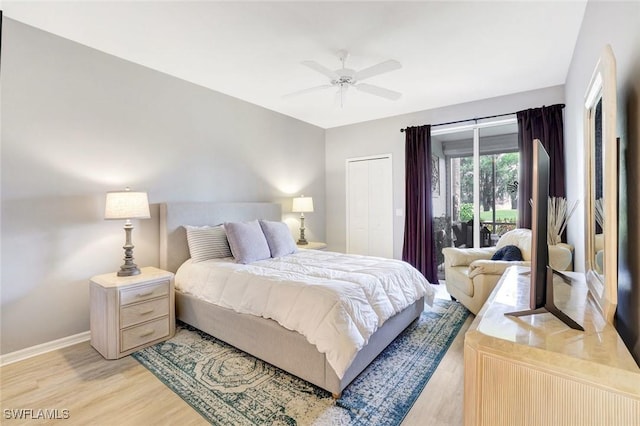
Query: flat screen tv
x=541 y=291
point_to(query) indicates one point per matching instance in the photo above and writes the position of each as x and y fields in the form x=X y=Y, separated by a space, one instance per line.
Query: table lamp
x=302 y=205
x=127 y=205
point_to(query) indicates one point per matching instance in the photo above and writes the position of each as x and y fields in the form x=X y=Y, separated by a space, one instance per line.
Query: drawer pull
x=148 y=293
x=148 y=311
x=147 y=333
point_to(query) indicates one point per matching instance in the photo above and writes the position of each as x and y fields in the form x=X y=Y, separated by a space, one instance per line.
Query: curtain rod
x=475 y=119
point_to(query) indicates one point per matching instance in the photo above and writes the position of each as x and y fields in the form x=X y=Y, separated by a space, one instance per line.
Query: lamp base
x=302 y=241
x=128 y=270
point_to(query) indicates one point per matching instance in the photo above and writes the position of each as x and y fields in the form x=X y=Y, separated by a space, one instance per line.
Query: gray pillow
x=247 y=241
x=207 y=242
x=278 y=237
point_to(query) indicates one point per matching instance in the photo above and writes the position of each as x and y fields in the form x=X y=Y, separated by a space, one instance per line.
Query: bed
x=263 y=338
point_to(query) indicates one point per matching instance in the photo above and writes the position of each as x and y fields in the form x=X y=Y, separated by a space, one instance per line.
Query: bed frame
x=262 y=338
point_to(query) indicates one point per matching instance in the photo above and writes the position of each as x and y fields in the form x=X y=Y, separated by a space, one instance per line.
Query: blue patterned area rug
x=229 y=387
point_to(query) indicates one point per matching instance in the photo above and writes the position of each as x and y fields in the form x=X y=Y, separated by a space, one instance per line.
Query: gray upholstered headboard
x=173 y=216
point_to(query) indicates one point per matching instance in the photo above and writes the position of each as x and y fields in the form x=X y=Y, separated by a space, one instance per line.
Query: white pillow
x=278 y=238
x=207 y=242
x=247 y=241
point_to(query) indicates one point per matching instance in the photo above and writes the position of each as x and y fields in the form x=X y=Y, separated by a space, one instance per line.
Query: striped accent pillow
x=207 y=242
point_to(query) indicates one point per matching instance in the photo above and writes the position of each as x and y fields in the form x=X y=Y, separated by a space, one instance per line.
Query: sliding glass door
x=476 y=201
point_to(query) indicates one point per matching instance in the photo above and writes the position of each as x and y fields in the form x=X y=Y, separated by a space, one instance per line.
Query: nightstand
x=130 y=313
x=313 y=245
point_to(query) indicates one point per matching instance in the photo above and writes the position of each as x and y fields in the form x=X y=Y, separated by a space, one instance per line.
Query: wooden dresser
x=535 y=370
x=130 y=313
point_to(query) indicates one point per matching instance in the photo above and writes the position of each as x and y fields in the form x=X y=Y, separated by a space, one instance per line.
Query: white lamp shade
x=302 y=204
x=127 y=205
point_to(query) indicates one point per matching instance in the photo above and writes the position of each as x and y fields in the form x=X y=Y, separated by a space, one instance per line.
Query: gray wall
x=77 y=123
x=383 y=136
x=617 y=24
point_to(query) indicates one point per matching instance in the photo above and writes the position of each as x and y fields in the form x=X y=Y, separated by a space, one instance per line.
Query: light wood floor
x=123 y=392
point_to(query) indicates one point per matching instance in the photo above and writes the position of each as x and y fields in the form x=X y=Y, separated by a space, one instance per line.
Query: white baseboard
x=44 y=348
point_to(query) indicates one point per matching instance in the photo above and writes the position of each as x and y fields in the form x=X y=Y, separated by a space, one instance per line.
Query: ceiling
x=451 y=52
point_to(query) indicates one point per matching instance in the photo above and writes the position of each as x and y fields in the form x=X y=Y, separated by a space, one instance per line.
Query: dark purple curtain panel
x=419 y=247
x=545 y=124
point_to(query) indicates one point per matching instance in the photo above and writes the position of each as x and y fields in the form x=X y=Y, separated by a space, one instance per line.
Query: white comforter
x=336 y=301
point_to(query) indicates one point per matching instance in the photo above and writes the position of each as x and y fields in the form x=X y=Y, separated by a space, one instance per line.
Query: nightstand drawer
x=139 y=294
x=144 y=333
x=141 y=312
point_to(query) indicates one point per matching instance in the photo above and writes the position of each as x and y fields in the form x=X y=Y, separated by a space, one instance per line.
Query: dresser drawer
x=144 y=333
x=138 y=294
x=145 y=311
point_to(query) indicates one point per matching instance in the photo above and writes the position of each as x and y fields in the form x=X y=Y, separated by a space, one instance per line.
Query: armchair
x=471 y=275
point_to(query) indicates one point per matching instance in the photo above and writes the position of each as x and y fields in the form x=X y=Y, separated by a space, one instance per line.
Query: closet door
x=370 y=206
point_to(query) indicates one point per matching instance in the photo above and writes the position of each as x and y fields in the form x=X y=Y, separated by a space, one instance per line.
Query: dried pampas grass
x=559 y=213
x=599 y=210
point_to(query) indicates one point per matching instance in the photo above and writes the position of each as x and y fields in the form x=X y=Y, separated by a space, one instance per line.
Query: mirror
x=597 y=253
x=601 y=198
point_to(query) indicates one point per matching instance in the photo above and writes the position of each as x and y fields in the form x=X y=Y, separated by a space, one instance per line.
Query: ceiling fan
x=344 y=78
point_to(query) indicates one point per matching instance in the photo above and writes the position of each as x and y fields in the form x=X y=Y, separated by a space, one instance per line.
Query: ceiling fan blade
x=380 y=68
x=379 y=91
x=310 y=89
x=321 y=69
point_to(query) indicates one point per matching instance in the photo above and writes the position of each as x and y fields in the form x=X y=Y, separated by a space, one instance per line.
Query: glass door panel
x=450 y=222
x=498 y=181
x=475 y=184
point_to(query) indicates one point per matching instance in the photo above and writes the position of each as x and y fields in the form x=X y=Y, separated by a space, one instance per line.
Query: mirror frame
x=603 y=288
